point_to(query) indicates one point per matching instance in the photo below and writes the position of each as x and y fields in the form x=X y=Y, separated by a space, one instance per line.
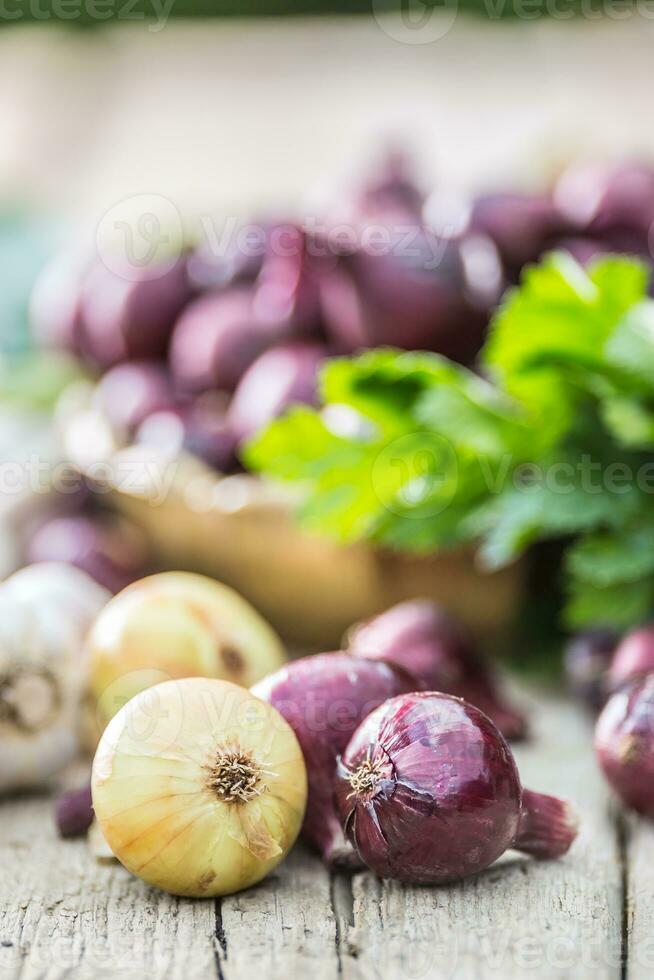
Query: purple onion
x=111 y=550
x=281 y=377
x=624 y=742
x=586 y=660
x=209 y=434
x=124 y=317
x=418 y=293
x=200 y=427
x=633 y=657
x=217 y=338
x=605 y=198
x=128 y=393
x=521 y=225
x=427 y=643
x=428 y=791
x=287 y=285
x=213 y=268
x=324 y=698
x=74 y=812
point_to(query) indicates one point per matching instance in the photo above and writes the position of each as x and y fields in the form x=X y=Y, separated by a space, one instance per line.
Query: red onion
x=624 y=742
x=128 y=393
x=74 y=812
x=131 y=315
x=324 y=698
x=633 y=658
x=426 y=642
x=586 y=659
x=217 y=337
x=286 y=375
x=521 y=225
x=428 y=791
x=111 y=550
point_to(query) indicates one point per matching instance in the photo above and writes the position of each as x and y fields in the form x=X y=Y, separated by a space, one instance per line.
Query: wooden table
x=63 y=915
x=224 y=118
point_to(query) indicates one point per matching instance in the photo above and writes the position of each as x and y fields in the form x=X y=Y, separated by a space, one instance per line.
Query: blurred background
x=107 y=110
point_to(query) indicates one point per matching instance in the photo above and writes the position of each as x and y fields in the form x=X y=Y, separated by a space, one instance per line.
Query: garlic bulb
x=199 y=787
x=44 y=614
x=174 y=625
x=64 y=586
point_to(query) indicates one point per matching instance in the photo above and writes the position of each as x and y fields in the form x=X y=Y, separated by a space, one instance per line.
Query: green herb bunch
x=553 y=439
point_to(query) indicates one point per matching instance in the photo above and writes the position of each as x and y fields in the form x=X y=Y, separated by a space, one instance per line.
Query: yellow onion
x=199 y=787
x=175 y=625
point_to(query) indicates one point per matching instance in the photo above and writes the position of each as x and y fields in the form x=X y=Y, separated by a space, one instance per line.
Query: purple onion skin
x=586 y=660
x=216 y=339
x=287 y=284
x=74 y=812
x=428 y=792
x=200 y=427
x=415 y=295
x=605 y=199
x=624 y=743
x=521 y=225
x=633 y=657
x=427 y=643
x=283 y=376
x=128 y=393
x=110 y=550
x=324 y=698
x=233 y=266
x=209 y=435
x=123 y=318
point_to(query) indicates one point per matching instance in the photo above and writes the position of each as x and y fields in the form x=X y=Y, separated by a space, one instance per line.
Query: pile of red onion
x=406 y=777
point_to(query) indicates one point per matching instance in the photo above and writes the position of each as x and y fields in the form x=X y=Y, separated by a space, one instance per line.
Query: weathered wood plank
x=639 y=887
x=554 y=919
x=284 y=928
x=63 y=915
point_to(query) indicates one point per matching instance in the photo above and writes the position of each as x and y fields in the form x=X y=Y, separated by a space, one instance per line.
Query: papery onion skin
x=174 y=625
x=45 y=612
x=633 y=657
x=159 y=802
x=624 y=743
x=324 y=698
x=429 y=644
x=428 y=791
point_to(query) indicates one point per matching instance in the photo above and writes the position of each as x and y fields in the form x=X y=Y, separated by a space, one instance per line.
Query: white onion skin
x=45 y=612
x=158 y=814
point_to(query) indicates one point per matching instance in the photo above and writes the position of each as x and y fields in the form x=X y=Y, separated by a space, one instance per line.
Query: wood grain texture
x=639 y=891
x=62 y=915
